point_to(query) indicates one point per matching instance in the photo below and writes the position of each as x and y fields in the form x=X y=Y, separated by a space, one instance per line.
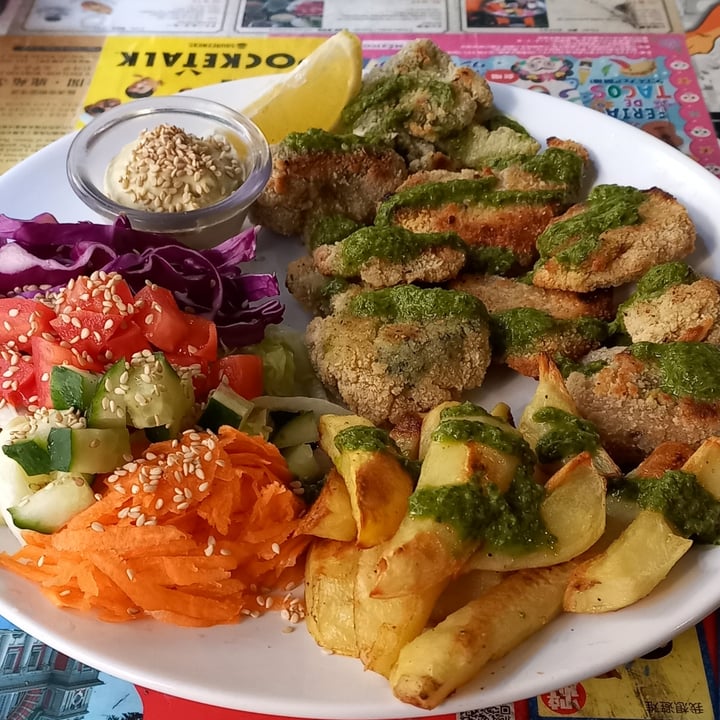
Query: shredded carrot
x=197 y=531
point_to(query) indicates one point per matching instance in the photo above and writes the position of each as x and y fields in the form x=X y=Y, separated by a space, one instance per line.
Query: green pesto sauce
x=389 y=95
x=686 y=369
x=393 y=243
x=500 y=120
x=331 y=229
x=556 y=165
x=567 y=366
x=491 y=259
x=683 y=501
x=573 y=240
x=315 y=140
x=409 y=303
x=463 y=430
x=464 y=410
x=518 y=330
x=510 y=521
x=463 y=192
x=567 y=436
x=363 y=437
x=654 y=283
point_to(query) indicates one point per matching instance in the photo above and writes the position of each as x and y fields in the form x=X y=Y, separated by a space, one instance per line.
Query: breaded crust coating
x=433 y=265
x=632 y=415
x=305 y=185
x=501 y=293
x=682 y=312
x=623 y=254
x=308 y=286
x=384 y=369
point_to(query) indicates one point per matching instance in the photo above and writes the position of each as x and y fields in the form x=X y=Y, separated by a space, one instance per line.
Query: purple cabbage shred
x=40 y=254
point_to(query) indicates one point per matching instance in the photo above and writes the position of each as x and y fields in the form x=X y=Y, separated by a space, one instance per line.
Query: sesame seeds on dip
x=169 y=170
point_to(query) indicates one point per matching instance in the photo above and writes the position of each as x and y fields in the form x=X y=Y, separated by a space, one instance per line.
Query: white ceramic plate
x=255 y=666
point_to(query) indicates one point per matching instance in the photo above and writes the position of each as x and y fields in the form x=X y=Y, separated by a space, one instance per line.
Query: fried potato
x=551 y=392
x=377 y=484
x=574 y=512
x=330 y=516
x=704 y=463
x=330 y=571
x=384 y=626
x=630 y=568
x=442 y=659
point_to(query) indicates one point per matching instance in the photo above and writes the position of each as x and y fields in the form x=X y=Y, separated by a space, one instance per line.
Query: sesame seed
x=97 y=527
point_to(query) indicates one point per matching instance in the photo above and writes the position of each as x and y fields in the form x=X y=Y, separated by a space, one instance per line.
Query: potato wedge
x=330 y=571
x=444 y=658
x=425 y=550
x=377 y=484
x=630 y=568
x=549 y=394
x=384 y=626
x=574 y=512
x=330 y=516
x=704 y=463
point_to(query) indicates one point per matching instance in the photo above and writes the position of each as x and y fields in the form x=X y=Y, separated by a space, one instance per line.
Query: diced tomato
x=127 y=341
x=201 y=341
x=243 y=373
x=162 y=322
x=46 y=355
x=17 y=377
x=98 y=293
x=87 y=330
x=21 y=318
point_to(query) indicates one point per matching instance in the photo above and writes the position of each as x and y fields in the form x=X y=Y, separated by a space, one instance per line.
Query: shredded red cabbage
x=39 y=254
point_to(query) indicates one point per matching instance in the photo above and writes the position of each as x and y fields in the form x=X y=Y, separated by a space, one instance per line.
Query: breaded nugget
x=391 y=255
x=520 y=336
x=401 y=350
x=649 y=394
x=501 y=293
x=418 y=93
x=316 y=173
x=671 y=302
x=682 y=312
x=612 y=238
x=313 y=290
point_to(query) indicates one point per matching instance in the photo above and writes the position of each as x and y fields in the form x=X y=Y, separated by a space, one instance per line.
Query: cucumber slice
x=32 y=458
x=88 y=450
x=52 y=506
x=225 y=407
x=72 y=388
x=302 y=462
x=302 y=428
x=108 y=407
x=156 y=395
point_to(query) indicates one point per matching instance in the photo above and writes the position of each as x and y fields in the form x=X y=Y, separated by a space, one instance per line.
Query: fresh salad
x=142 y=467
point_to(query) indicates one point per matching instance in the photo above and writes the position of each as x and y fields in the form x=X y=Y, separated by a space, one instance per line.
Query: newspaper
x=223 y=17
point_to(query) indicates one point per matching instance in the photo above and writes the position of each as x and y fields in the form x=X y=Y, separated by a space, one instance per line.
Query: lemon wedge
x=314 y=93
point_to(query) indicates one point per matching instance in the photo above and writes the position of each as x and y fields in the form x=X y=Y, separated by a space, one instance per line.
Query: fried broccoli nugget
x=502 y=293
x=520 y=336
x=612 y=238
x=672 y=302
x=316 y=173
x=313 y=290
x=400 y=350
x=418 y=93
x=649 y=393
x=386 y=256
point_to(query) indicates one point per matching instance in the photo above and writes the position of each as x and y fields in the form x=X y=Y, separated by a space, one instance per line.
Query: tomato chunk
x=21 y=318
x=162 y=322
x=127 y=341
x=243 y=373
x=47 y=354
x=201 y=341
x=87 y=330
x=100 y=292
x=17 y=377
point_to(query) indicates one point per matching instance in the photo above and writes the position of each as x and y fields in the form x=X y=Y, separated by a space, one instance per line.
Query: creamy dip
x=169 y=170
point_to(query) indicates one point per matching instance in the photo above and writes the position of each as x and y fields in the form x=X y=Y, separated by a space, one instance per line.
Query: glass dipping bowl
x=99 y=142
